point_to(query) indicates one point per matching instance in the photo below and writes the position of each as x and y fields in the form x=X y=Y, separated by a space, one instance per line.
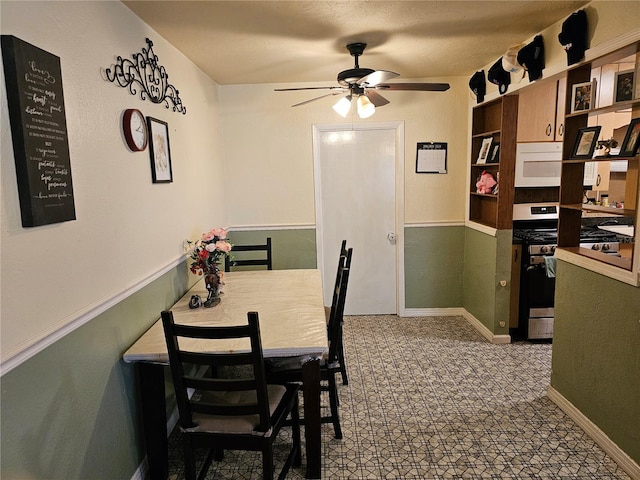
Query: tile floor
x=429 y=398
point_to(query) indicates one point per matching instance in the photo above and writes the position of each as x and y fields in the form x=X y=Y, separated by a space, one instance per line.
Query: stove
x=535 y=227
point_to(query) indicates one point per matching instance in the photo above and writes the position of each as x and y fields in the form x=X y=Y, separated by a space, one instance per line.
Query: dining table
x=292 y=324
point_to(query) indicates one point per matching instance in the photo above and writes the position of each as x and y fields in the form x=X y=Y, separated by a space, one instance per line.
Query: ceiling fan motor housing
x=351 y=76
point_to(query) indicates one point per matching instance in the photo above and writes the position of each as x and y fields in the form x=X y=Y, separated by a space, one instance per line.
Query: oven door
x=538 y=304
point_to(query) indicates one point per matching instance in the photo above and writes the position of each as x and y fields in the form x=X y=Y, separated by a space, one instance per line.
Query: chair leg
x=295 y=418
x=333 y=403
x=343 y=366
x=189 y=460
x=267 y=462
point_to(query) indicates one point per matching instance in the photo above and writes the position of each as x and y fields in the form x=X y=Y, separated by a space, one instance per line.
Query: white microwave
x=538 y=164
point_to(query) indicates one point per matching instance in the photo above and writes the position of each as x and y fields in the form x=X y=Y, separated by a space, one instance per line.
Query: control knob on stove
x=546 y=249
x=605 y=247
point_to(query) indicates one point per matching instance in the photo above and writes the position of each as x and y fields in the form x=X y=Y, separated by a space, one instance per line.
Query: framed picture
x=585 y=142
x=494 y=156
x=582 y=96
x=631 y=142
x=484 y=150
x=159 y=151
x=623 y=86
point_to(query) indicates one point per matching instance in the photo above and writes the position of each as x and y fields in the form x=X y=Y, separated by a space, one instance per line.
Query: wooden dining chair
x=228 y=414
x=289 y=369
x=343 y=255
x=263 y=259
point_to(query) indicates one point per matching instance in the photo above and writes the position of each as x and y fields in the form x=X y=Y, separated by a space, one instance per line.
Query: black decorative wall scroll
x=39 y=133
x=145 y=74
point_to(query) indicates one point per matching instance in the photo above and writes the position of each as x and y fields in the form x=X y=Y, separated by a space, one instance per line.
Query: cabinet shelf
x=613 y=158
x=619 y=262
x=623 y=212
x=485 y=165
x=490 y=133
x=616 y=107
x=496 y=119
x=486 y=195
x=572 y=212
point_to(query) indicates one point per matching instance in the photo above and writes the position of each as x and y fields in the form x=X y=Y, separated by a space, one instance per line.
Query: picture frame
x=623 y=86
x=159 y=151
x=485 y=148
x=631 y=142
x=585 y=143
x=582 y=96
x=494 y=155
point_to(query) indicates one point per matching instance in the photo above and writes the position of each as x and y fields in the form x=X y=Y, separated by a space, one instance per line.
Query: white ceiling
x=247 y=42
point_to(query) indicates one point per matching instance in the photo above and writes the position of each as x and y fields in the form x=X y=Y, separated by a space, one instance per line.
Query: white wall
x=127 y=229
x=268 y=148
x=607 y=20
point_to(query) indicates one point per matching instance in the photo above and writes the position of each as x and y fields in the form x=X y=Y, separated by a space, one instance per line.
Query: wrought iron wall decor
x=146 y=74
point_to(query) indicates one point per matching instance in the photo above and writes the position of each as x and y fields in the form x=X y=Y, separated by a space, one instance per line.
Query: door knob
x=391 y=237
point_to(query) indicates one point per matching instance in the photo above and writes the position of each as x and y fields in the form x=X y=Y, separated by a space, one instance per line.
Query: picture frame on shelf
x=485 y=148
x=623 y=86
x=159 y=151
x=582 y=96
x=631 y=142
x=585 y=143
x=494 y=156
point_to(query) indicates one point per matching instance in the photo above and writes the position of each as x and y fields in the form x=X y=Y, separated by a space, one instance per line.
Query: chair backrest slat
x=251 y=377
x=243 y=262
x=337 y=308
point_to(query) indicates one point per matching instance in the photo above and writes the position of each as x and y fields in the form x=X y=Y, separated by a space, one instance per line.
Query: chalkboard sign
x=39 y=131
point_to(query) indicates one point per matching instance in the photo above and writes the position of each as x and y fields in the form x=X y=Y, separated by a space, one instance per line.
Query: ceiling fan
x=362 y=84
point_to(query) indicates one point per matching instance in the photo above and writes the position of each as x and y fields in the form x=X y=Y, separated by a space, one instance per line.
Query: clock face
x=135 y=129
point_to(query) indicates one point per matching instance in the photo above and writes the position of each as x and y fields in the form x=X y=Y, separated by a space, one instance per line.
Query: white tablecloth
x=289 y=305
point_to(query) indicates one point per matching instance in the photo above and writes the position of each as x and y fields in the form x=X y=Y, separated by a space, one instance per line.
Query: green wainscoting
x=291 y=248
x=487 y=261
x=596 y=352
x=70 y=412
x=433 y=266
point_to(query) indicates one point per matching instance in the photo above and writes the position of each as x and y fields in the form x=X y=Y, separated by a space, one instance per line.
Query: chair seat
x=234 y=424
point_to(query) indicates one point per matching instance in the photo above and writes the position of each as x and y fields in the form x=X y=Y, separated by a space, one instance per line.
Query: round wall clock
x=134 y=127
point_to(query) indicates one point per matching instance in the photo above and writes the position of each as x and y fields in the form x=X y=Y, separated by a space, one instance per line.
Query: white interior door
x=356 y=200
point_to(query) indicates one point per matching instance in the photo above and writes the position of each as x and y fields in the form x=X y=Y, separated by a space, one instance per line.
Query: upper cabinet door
x=537 y=109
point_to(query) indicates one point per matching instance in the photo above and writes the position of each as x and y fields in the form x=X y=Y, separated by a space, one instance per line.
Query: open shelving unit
x=496 y=119
x=572 y=207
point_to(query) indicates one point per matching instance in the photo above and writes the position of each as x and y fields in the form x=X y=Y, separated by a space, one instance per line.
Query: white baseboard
x=432 y=312
x=455 y=312
x=616 y=453
x=484 y=331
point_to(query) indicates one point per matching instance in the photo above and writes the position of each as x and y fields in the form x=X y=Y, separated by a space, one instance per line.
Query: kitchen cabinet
x=607 y=112
x=541 y=111
x=495 y=120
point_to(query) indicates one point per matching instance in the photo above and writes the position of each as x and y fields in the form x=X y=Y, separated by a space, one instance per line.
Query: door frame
x=399 y=196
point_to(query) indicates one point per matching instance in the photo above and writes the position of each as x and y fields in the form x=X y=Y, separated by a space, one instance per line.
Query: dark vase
x=214 y=285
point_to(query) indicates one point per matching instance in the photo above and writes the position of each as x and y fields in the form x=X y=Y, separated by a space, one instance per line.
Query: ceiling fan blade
x=376 y=77
x=377 y=99
x=318 y=98
x=306 y=88
x=424 y=87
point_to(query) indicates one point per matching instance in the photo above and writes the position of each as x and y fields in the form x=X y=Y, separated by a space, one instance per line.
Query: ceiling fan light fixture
x=343 y=106
x=365 y=107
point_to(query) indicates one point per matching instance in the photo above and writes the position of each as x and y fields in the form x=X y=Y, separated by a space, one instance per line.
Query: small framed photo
x=631 y=142
x=582 y=96
x=623 y=86
x=494 y=155
x=159 y=151
x=484 y=150
x=585 y=143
